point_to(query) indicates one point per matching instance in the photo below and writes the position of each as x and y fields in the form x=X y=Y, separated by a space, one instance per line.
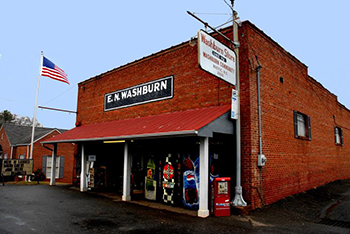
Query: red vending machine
x=221 y=196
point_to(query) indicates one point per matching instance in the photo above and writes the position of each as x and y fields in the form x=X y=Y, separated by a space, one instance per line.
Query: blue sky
x=86 y=38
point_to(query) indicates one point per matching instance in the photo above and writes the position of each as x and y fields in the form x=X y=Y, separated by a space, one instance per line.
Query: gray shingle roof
x=21 y=135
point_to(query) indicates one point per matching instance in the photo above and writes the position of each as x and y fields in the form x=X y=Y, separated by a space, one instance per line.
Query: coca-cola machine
x=220 y=196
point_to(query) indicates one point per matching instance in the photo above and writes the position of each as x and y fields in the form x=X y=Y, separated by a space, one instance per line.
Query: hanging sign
x=216 y=58
x=234 y=104
x=156 y=90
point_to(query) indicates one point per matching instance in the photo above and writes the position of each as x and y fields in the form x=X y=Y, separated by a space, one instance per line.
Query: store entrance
x=105 y=167
x=167 y=170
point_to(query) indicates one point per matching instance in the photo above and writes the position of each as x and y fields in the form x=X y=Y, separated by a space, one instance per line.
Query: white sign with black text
x=216 y=58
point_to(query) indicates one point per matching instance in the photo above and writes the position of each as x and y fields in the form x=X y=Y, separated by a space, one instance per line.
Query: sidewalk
x=328 y=205
x=325 y=206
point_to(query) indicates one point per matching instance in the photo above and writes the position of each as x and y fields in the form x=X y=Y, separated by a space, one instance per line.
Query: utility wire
x=59 y=95
x=230 y=5
x=199 y=13
x=229 y=21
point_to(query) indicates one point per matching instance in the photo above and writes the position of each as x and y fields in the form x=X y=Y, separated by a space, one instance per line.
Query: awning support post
x=203 y=211
x=53 y=165
x=127 y=172
x=83 y=181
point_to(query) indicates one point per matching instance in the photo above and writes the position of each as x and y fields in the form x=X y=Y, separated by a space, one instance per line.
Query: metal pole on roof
x=35 y=108
x=55 y=109
x=238 y=199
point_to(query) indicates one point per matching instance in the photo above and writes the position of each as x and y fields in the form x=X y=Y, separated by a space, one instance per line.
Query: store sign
x=92 y=158
x=234 y=104
x=147 y=92
x=216 y=58
x=13 y=167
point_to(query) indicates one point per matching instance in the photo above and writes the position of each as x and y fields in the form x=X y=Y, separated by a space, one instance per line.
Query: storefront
x=160 y=128
x=169 y=158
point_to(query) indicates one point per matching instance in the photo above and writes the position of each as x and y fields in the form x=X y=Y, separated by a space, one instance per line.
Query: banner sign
x=234 y=105
x=216 y=58
x=156 y=90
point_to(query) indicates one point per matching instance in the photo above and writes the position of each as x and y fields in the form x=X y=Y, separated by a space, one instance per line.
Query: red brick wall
x=4 y=142
x=293 y=165
x=193 y=88
x=21 y=150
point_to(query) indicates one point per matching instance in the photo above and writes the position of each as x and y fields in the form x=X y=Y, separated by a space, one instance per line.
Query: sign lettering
x=216 y=58
x=156 y=90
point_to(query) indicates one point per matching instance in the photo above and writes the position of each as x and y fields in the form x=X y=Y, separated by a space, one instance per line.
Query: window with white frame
x=47 y=165
x=302 y=126
x=338 y=135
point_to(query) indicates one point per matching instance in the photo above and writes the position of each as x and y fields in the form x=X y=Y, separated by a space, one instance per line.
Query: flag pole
x=36 y=107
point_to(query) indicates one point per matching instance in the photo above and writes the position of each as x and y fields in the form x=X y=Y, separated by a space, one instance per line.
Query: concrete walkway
x=150 y=204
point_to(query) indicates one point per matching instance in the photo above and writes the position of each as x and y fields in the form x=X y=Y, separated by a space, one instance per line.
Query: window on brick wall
x=302 y=126
x=21 y=156
x=338 y=136
x=47 y=164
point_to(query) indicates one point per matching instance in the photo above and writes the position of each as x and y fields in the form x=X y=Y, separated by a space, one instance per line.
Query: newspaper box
x=221 y=196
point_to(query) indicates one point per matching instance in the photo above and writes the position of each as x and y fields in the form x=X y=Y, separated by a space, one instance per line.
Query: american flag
x=51 y=70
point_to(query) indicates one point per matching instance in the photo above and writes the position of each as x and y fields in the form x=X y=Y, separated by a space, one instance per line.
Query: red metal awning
x=183 y=123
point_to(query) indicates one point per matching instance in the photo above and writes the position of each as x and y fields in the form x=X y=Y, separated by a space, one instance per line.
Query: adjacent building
x=15 y=141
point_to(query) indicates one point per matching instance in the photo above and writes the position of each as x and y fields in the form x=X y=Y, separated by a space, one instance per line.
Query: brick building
x=15 y=142
x=304 y=129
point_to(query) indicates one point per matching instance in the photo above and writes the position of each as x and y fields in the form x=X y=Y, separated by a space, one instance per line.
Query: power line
x=232 y=1
x=200 y=13
x=59 y=95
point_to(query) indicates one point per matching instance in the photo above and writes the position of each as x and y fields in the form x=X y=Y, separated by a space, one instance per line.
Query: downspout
x=259 y=107
x=261 y=156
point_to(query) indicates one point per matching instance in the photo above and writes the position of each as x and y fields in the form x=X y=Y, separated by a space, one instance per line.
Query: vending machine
x=168 y=181
x=190 y=181
x=150 y=181
x=220 y=196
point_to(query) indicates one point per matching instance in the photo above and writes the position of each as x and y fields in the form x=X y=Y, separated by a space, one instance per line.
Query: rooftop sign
x=216 y=58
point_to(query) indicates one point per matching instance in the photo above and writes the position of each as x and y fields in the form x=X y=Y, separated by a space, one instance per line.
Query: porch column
x=203 y=211
x=53 y=165
x=83 y=184
x=127 y=172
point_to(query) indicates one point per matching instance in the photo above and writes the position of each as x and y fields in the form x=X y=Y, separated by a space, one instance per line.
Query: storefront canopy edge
x=197 y=122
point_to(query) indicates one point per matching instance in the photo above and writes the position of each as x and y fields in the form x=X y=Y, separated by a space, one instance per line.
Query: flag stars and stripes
x=51 y=70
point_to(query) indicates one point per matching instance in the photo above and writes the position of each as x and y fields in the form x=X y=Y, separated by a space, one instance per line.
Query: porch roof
x=196 y=122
